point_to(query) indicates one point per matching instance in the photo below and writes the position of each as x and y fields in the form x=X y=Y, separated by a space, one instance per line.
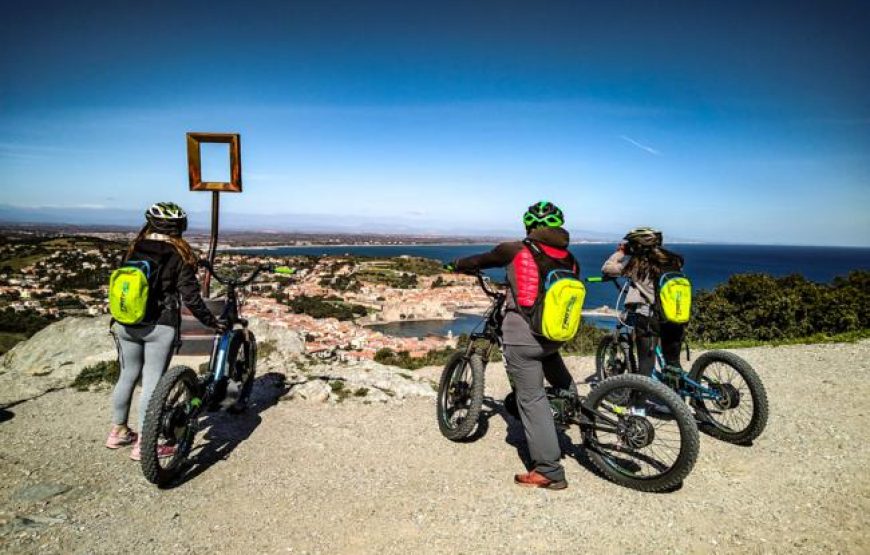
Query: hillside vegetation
x=763 y=308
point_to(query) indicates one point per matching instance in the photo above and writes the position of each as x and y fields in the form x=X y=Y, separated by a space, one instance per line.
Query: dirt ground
x=302 y=477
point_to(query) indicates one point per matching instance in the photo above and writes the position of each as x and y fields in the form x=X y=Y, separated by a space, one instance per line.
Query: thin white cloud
x=83 y=206
x=36 y=152
x=641 y=146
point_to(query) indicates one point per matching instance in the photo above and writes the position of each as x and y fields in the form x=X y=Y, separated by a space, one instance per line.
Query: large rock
x=284 y=342
x=359 y=381
x=53 y=358
x=315 y=390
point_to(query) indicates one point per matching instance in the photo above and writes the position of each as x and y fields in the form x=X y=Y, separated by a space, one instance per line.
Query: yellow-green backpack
x=128 y=291
x=558 y=309
x=675 y=297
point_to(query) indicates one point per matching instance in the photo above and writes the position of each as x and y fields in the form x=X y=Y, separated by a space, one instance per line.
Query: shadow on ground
x=225 y=431
x=516 y=438
x=6 y=415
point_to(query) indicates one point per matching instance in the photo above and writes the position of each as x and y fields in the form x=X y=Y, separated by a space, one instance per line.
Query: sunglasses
x=551 y=220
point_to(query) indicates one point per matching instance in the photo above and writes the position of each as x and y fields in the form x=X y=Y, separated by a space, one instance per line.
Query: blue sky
x=719 y=121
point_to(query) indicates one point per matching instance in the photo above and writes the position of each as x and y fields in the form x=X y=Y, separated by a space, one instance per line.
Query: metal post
x=212 y=245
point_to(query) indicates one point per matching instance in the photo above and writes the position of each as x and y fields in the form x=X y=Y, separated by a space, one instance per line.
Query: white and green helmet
x=166 y=217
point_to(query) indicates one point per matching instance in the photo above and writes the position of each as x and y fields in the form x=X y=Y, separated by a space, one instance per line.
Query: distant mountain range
x=125 y=219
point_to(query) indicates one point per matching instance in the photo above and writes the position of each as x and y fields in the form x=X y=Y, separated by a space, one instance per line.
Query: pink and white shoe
x=116 y=440
x=163 y=452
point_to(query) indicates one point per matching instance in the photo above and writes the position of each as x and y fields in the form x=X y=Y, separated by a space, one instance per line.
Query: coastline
x=349 y=246
x=596 y=312
x=358 y=245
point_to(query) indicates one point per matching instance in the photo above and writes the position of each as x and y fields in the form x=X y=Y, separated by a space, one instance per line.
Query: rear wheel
x=650 y=444
x=460 y=396
x=170 y=425
x=738 y=414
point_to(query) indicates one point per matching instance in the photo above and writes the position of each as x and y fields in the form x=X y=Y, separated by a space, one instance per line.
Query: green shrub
x=760 y=307
x=585 y=342
x=106 y=372
x=266 y=348
x=339 y=390
x=403 y=359
x=318 y=306
x=26 y=322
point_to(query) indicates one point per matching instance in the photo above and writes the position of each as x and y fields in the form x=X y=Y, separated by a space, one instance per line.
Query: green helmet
x=543 y=213
x=644 y=237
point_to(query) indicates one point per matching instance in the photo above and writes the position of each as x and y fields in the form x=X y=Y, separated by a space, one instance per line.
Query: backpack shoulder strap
x=532 y=246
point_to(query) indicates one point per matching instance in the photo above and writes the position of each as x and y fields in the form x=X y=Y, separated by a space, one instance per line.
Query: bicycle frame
x=218 y=363
x=577 y=413
x=679 y=381
x=492 y=320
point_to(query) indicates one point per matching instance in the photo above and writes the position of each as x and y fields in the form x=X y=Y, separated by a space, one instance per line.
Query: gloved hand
x=221 y=327
x=449 y=267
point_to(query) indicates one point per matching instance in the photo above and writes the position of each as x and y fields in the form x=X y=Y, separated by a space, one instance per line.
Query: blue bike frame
x=684 y=386
x=678 y=380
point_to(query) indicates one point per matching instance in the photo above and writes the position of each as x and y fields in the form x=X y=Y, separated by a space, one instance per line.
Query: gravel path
x=300 y=477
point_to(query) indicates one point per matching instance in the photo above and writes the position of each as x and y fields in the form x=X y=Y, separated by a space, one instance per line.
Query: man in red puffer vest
x=530 y=358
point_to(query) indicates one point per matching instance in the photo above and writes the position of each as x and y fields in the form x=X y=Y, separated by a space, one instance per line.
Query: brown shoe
x=534 y=479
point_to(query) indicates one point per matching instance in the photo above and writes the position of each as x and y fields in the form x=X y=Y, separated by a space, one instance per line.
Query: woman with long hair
x=145 y=349
x=642 y=258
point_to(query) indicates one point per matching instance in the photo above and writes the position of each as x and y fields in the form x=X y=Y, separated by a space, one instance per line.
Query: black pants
x=646 y=329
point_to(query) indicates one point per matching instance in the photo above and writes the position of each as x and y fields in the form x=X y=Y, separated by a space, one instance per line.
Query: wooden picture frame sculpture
x=194 y=173
x=194 y=162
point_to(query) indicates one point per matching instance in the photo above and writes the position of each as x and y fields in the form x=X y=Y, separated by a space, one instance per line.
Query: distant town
x=242 y=238
x=47 y=274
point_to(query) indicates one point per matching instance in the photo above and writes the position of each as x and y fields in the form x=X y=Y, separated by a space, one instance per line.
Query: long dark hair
x=652 y=262
x=181 y=246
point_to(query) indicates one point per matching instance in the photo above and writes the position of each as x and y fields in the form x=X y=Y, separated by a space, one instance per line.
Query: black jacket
x=174 y=283
x=504 y=253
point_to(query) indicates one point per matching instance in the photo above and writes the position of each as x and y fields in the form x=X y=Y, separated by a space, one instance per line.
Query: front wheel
x=613 y=358
x=170 y=425
x=648 y=444
x=460 y=396
x=734 y=406
x=242 y=367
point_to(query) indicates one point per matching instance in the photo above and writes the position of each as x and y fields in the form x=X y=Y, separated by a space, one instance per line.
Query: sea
x=707 y=265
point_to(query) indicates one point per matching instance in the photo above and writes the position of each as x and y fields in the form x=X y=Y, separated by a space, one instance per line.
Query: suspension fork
x=219 y=355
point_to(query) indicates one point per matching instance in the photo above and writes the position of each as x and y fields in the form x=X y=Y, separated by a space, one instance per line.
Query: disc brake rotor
x=636 y=432
x=729 y=397
x=175 y=423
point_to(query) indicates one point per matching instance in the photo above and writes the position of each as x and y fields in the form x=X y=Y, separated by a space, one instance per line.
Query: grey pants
x=144 y=351
x=527 y=366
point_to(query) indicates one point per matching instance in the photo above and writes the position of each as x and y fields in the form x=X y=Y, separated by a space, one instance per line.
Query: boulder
x=284 y=343
x=53 y=357
x=315 y=390
x=360 y=381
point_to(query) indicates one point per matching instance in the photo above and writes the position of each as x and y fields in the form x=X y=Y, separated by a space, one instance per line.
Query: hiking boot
x=534 y=479
x=117 y=440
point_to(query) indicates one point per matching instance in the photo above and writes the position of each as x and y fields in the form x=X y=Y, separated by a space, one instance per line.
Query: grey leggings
x=144 y=350
x=527 y=366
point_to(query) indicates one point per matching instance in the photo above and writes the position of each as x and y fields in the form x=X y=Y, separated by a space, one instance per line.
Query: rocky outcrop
x=53 y=357
x=277 y=339
x=362 y=381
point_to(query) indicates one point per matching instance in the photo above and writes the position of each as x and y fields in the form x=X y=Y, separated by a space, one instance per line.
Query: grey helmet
x=644 y=237
x=167 y=217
